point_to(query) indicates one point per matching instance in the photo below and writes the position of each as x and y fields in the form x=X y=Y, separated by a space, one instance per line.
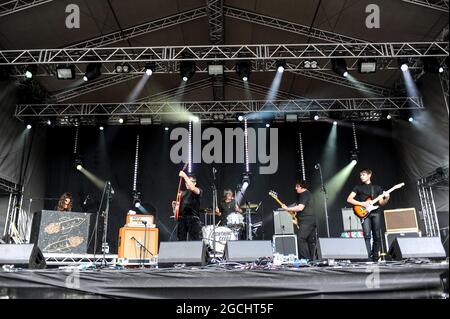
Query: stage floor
x=360 y=280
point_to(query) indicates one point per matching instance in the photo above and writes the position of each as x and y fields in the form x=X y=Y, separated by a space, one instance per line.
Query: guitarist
x=306 y=232
x=189 y=219
x=361 y=195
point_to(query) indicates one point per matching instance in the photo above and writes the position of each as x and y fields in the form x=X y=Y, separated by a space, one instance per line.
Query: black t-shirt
x=306 y=216
x=226 y=208
x=190 y=203
x=363 y=191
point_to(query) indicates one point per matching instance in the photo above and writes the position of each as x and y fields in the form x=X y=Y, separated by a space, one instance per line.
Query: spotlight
x=78 y=163
x=367 y=66
x=149 y=68
x=243 y=69
x=101 y=128
x=29 y=126
x=49 y=122
x=136 y=199
x=267 y=125
x=121 y=120
x=410 y=119
x=404 y=67
x=310 y=64
x=281 y=66
x=389 y=116
x=93 y=71
x=291 y=118
x=30 y=70
x=335 y=123
x=240 y=118
x=316 y=117
x=431 y=65
x=119 y=68
x=79 y=167
x=122 y=68
x=187 y=70
x=195 y=119
x=166 y=128
x=246 y=179
x=354 y=157
x=126 y=68
x=339 y=66
x=65 y=72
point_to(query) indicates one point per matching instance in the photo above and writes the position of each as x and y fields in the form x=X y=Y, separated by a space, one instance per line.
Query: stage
x=393 y=280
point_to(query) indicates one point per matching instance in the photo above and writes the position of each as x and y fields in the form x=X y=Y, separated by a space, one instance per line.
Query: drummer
x=227 y=206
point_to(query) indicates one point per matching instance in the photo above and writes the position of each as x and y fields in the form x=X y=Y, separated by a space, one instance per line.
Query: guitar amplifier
x=285 y=245
x=62 y=232
x=282 y=222
x=132 y=242
x=136 y=221
x=402 y=220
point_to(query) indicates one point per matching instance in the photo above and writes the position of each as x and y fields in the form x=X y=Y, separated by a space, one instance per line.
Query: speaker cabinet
x=138 y=243
x=62 y=232
x=390 y=237
x=342 y=248
x=423 y=247
x=22 y=256
x=181 y=252
x=248 y=250
x=402 y=220
x=285 y=245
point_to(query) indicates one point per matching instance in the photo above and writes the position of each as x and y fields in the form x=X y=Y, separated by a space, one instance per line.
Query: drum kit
x=236 y=224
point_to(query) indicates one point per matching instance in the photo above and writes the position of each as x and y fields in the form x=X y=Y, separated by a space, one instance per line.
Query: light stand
x=214 y=207
x=325 y=197
x=96 y=221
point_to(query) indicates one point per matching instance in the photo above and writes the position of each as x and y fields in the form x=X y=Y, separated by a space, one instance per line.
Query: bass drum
x=223 y=234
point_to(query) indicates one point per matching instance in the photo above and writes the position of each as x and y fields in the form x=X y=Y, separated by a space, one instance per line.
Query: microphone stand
x=96 y=222
x=109 y=194
x=248 y=217
x=214 y=207
x=325 y=197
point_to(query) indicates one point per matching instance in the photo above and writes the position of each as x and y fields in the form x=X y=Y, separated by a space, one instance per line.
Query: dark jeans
x=189 y=225
x=306 y=237
x=372 y=228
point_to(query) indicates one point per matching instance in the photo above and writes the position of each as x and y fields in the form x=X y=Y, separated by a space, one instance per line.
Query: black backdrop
x=110 y=156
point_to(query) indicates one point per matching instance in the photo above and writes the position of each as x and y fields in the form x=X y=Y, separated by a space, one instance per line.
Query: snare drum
x=235 y=220
x=223 y=234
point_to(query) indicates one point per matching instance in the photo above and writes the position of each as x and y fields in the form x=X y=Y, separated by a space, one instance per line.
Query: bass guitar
x=274 y=195
x=363 y=212
x=176 y=209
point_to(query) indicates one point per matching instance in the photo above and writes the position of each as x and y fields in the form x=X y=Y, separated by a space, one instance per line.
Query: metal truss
x=444 y=85
x=215 y=19
x=441 y=5
x=260 y=89
x=160 y=111
x=14 y=6
x=437 y=179
x=142 y=29
x=7 y=187
x=255 y=52
x=288 y=26
x=53 y=259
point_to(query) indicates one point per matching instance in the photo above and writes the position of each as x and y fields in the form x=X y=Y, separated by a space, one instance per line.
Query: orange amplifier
x=136 y=220
x=131 y=242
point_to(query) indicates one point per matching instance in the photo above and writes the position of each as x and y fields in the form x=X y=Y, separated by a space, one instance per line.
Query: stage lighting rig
x=339 y=66
x=187 y=70
x=93 y=71
x=215 y=69
x=403 y=64
x=431 y=65
x=367 y=66
x=122 y=68
x=136 y=199
x=281 y=66
x=354 y=156
x=150 y=68
x=310 y=64
x=30 y=70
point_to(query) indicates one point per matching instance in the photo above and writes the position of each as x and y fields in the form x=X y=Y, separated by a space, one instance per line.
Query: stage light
x=354 y=157
x=389 y=116
x=245 y=179
x=316 y=117
x=431 y=65
x=79 y=167
x=122 y=68
x=126 y=68
x=339 y=66
x=410 y=119
x=145 y=120
x=267 y=125
x=119 y=68
x=121 y=120
x=49 y=122
x=101 y=128
x=281 y=66
x=404 y=67
x=149 y=68
x=441 y=69
x=335 y=123
x=215 y=69
x=291 y=118
x=240 y=118
x=30 y=70
x=195 y=119
x=29 y=126
x=367 y=66
x=187 y=70
x=310 y=64
x=65 y=72
x=93 y=71
x=243 y=69
x=166 y=128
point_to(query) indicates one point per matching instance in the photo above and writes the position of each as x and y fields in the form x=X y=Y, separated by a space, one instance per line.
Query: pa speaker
x=248 y=250
x=342 y=248
x=181 y=252
x=422 y=247
x=22 y=255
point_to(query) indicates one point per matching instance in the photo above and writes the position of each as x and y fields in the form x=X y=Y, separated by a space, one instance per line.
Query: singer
x=65 y=203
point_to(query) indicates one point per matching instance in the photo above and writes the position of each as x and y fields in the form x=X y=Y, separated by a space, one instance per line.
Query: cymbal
x=250 y=206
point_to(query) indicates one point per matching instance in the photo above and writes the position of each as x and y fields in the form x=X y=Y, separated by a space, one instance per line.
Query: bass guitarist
x=189 y=225
x=306 y=230
x=362 y=195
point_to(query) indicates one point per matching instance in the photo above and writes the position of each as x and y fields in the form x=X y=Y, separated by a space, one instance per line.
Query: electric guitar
x=274 y=195
x=363 y=212
x=176 y=210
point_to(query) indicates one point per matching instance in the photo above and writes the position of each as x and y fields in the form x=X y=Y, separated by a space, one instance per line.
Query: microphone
x=86 y=199
x=144 y=222
x=317 y=166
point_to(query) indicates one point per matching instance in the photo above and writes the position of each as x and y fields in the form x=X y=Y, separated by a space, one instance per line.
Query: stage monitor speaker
x=390 y=237
x=62 y=232
x=422 y=247
x=247 y=250
x=285 y=245
x=402 y=220
x=342 y=248
x=22 y=256
x=135 y=243
x=182 y=252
